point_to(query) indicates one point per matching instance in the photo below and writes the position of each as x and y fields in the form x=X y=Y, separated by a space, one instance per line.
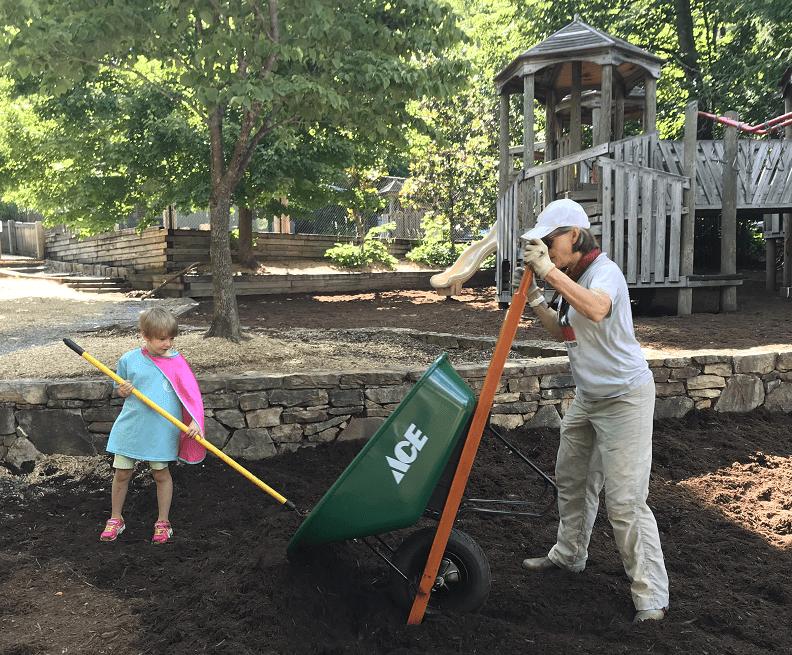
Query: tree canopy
x=280 y=67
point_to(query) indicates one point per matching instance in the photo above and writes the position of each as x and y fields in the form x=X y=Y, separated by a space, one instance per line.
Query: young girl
x=140 y=433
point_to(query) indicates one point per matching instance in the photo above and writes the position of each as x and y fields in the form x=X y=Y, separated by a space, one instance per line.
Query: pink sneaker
x=162 y=532
x=113 y=528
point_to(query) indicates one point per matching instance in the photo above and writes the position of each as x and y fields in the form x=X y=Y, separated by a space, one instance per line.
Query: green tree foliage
x=283 y=66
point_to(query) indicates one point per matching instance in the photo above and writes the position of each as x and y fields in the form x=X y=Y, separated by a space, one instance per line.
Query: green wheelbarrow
x=416 y=465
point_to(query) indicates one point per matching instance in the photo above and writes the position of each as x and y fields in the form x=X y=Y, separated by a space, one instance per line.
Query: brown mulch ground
x=721 y=491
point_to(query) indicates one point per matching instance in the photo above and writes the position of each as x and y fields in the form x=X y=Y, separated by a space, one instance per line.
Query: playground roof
x=551 y=61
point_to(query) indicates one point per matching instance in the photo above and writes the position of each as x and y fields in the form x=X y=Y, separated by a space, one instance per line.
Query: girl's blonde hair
x=156 y=321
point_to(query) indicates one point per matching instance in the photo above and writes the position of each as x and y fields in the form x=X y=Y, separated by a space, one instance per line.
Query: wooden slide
x=450 y=281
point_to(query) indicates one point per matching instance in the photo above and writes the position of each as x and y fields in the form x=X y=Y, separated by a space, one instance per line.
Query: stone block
x=298 y=397
x=231 y=418
x=67 y=404
x=515 y=408
x=742 y=394
x=360 y=379
x=706 y=382
x=545 y=417
x=345 y=397
x=501 y=398
x=258 y=400
x=54 y=431
x=674 y=407
x=760 y=363
x=665 y=389
x=558 y=394
x=80 y=390
x=724 y=369
x=353 y=409
x=314 y=428
x=264 y=418
x=661 y=374
x=303 y=415
x=22 y=456
x=220 y=400
x=360 y=428
x=28 y=392
x=253 y=381
x=99 y=427
x=527 y=384
x=252 y=444
x=311 y=380
x=684 y=372
x=780 y=398
x=784 y=361
x=697 y=394
x=215 y=433
x=106 y=414
x=556 y=381
x=677 y=362
x=507 y=421
x=292 y=433
x=7 y=420
x=713 y=358
x=391 y=394
x=325 y=436
x=212 y=383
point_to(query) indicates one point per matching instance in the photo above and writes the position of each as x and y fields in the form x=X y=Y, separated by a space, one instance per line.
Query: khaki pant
x=608 y=443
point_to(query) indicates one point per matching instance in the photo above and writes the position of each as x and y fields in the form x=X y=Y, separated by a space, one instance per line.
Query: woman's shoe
x=539 y=565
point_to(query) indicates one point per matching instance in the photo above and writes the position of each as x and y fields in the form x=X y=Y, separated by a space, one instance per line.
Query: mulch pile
x=721 y=491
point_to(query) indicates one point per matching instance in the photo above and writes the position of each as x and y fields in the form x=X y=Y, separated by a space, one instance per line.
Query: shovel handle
x=214 y=450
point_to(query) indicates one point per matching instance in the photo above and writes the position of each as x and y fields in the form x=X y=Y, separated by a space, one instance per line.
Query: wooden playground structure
x=641 y=193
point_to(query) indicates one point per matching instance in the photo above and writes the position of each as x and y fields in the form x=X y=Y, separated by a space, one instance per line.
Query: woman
x=606 y=434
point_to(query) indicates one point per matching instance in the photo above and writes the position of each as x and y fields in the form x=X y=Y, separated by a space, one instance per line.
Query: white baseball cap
x=559 y=213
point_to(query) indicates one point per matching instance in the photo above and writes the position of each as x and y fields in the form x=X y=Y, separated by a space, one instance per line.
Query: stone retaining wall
x=253 y=415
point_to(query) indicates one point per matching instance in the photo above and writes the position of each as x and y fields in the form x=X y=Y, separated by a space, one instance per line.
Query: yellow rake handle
x=181 y=426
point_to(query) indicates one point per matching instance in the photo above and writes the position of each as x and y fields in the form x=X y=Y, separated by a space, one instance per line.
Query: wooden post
x=770 y=258
x=40 y=241
x=12 y=244
x=685 y=294
x=529 y=150
x=503 y=145
x=618 y=119
x=650 y=104
x=550 y=142
x=728 y=294
x=606 y=103
x=787 y=218
x=575 y=117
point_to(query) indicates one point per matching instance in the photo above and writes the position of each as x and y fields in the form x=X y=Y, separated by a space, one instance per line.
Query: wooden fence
x=148 y=258
x=24 y=239
x=641 y=226
x=764 y=173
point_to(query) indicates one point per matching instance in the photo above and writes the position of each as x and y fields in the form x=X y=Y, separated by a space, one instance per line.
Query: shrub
x=435 y=248
x=351 y=255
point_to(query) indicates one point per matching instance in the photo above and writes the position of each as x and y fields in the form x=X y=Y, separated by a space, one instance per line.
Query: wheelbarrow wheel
x=463 y=579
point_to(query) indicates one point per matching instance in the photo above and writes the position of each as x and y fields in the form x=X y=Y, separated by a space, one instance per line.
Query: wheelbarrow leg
x=479 y=422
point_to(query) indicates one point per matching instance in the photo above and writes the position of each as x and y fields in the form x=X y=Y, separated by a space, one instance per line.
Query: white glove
x=519 y=272
x=537 y=257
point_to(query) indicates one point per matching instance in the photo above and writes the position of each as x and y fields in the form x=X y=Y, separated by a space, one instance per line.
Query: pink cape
x=181 y=377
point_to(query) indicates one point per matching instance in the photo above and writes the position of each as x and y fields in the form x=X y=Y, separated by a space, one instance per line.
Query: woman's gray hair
x=586 y=242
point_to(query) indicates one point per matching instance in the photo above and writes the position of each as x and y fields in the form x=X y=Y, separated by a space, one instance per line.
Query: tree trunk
x=225 y=321
x=245 y=244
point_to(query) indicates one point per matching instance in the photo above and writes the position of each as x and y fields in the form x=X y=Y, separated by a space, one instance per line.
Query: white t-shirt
x=605 y=357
